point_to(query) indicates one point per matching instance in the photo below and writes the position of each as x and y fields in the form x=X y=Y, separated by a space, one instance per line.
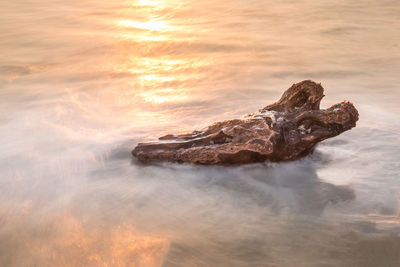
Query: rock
x=283 y=131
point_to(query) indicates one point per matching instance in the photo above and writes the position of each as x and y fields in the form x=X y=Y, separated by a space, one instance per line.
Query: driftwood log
x=283 y=131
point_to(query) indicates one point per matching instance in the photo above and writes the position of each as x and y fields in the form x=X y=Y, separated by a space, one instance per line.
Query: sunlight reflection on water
x=82 y=82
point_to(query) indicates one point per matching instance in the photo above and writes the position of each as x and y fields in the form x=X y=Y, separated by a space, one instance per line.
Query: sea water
x=81 y=82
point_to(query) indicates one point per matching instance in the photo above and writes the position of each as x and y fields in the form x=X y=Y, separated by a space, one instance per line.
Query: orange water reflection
x=159 y=77
x=66 y=240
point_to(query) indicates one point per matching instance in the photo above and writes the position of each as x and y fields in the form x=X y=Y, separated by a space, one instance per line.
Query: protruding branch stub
x=285 y=130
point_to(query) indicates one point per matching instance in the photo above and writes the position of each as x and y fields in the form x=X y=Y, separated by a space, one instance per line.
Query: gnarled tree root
x=283 y=131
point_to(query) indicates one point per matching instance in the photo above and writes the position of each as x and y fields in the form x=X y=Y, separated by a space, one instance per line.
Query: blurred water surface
x=81 y=82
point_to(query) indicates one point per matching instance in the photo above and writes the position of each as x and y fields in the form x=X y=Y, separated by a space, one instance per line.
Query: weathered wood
x=283 y=131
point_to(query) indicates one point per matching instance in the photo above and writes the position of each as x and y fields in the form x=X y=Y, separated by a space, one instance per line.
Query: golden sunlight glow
x=155 y=78
x=163 y=95
x=156 y=75
x=158 y=4
x=159 y=76
x=154 y=65
x=149 y=3
x=156 y=25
